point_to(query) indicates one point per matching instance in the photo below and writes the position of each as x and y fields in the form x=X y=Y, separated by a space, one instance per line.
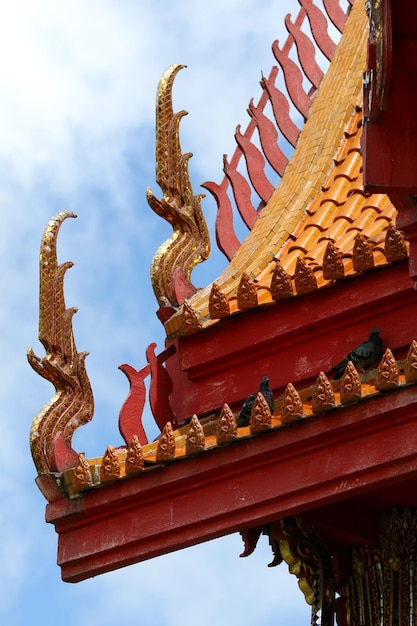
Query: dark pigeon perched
x=246 y=410
x=363 y=356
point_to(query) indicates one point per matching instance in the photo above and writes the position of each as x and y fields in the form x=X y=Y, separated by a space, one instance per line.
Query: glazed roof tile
x=320 y=198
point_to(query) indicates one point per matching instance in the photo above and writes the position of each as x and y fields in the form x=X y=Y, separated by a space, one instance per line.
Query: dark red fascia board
x=302 y=467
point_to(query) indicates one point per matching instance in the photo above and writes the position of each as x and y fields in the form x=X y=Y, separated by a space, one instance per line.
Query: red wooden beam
x=313 y=463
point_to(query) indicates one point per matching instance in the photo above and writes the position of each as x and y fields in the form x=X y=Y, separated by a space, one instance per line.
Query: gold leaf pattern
x=292 y=406
x=218 y=303
x=350 y=385
x=134 y=457
x=226 y=429
x=281 y=285
x=189 y=243
x=323 y=395
x=388 y=375
x=260 y=418
x=246 y=294
x=332 y=263
x=305 y=281
x=72 y=404
x=110 y=466
x=166 y=444
x=195 y=437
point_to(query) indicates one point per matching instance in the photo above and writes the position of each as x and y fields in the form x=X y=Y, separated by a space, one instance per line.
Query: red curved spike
x=306 y=53
x=255 y=164
x=268 y=136
x=335 y=13
x=281 y=110
x=160 y=387
x=130 y=416
x=293 y=80
x=318 y=26
x=226 y=238
x=241 y=193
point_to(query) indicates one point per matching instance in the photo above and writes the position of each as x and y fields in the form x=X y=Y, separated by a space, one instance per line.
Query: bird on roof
x=246 y=410
x=363 y=356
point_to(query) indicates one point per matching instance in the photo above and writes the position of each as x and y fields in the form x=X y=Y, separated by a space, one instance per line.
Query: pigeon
x=363 y=356
x=246 y=410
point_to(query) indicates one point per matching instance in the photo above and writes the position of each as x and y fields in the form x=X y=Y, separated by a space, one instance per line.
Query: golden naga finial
x=72 y=404
x=189 y=244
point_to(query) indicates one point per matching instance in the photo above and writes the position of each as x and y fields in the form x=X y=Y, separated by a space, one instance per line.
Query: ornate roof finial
x=72 y=404
x=189 y=244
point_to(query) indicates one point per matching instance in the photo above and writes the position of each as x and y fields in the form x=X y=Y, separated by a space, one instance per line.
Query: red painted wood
x=255 y=164
x=268 y=136
x=130 y=417
x=290 y=341
x=311 y=464
x=160 y=387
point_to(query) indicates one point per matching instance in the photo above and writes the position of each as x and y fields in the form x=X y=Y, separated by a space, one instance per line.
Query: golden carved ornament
x=219 y=306
x=72 y=404
x=190 y=320
x=189 y=243
x=165 y=450
x=247 y=297
x=195 y=437
x=395 y=245
x=292 y=406
x=323 y=395
x=260 y=417
x=134 y=457
x=226 y=430
x=110 y=466
x=332 y=263
x=362 y=256
x=82 y=474
x=281 y=285
x=410 y=365
x=304 y=279
x=388 y=376
x=350 y=385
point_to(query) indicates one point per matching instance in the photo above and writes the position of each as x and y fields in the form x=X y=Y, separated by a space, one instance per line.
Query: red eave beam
x=291 y=470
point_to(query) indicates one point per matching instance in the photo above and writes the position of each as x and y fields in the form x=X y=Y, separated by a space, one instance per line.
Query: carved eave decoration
x=189 y=243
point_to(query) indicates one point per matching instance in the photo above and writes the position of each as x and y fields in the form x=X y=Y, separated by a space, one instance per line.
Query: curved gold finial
x=72 y=404
x=189 y=244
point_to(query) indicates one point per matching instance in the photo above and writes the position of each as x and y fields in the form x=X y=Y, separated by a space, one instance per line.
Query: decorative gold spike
x=350 y=385
x=292 y=406
x=247 y=297
x=195 y=437
x=110 y=466
x=166 y=445
x=388 y=375
x=72 y=404
x=281 y=285
x=332 y=263
x=323 y=395
x=260 y=417
x=226 y=430
x=134 y=457
x=218 y=303
x=304 y=279
x=189 y=243
x=82 y=474
x=362 y=256
x=395 y=245
x=410 y=365
x=190 y=320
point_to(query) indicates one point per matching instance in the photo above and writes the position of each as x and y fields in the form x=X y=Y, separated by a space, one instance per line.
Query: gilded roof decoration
x=219 y=429
x=189 y=243
x=63 y=366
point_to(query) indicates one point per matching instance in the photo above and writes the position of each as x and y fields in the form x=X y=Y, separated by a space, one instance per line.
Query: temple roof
x=319 y=226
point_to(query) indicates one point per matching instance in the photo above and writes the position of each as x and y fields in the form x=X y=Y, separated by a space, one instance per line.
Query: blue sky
x=77 y=105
